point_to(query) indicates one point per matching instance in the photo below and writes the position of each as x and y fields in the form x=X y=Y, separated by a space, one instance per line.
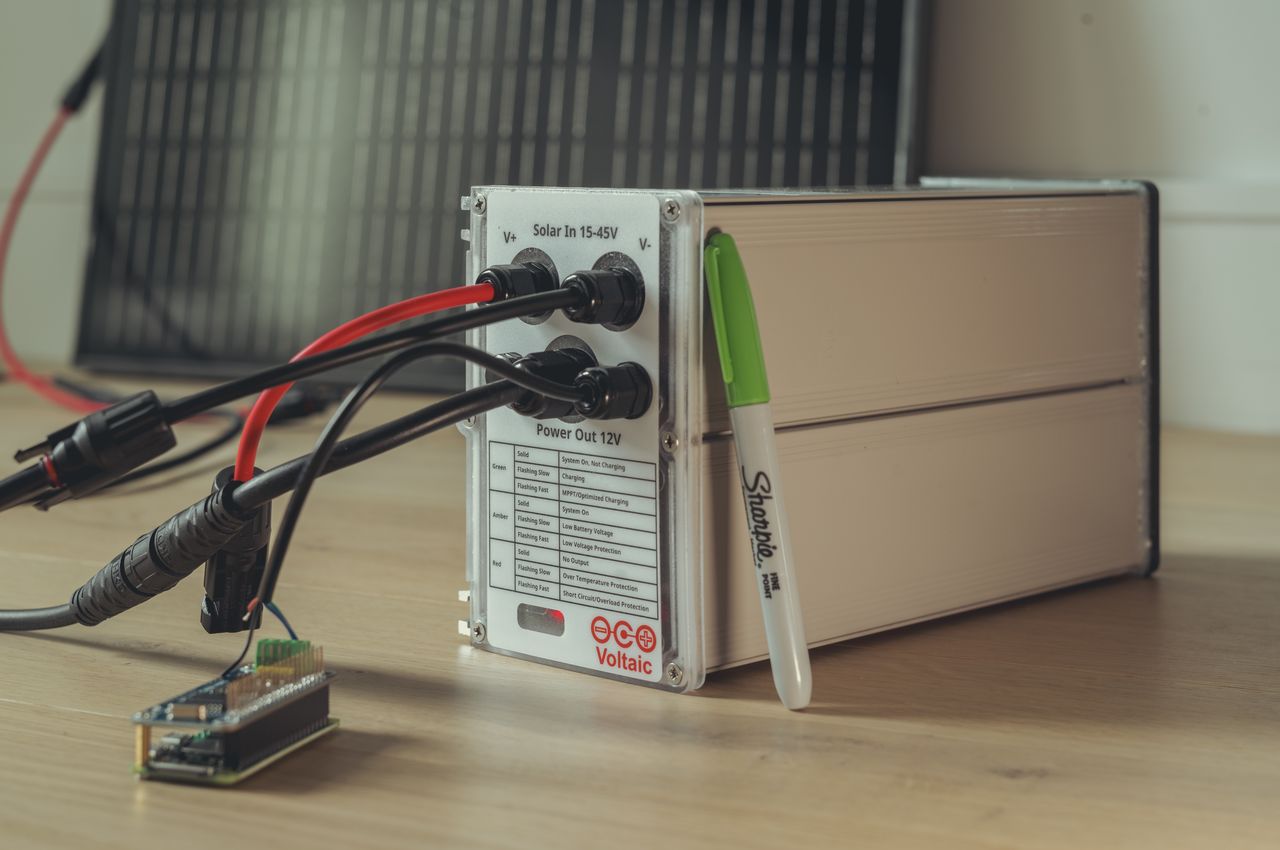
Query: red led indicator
x=535 y=618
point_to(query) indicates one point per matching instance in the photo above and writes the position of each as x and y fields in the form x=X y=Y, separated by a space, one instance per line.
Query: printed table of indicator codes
x=574 y=527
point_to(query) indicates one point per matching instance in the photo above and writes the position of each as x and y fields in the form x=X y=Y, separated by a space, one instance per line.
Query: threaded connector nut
x=159 y=560
x=614 y=392
x=517 y=279
x=612 y=297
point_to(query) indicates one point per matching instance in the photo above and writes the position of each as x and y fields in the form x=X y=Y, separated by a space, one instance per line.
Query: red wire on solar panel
x=18 y=370
x=256 y=422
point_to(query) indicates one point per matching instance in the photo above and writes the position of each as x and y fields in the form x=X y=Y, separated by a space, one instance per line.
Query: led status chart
x=574 y=527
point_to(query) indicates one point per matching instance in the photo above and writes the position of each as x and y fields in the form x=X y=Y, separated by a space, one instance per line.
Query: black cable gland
x=611 y=297
x=517 y=279
x=106 y=444
x=232 y=574
x=160 y=559
x=614 y=392
x=561 y=365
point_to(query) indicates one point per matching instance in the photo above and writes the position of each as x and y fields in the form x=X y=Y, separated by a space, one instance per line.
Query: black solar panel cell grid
x=270 y=168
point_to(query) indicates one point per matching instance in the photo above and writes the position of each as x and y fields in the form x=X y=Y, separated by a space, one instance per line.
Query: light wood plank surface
x=1129 y=713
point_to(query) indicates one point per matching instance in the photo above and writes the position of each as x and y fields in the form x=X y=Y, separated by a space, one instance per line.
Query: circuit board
x=231 y=727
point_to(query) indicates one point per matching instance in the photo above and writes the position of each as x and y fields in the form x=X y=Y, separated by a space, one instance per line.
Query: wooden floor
x=1130 y=713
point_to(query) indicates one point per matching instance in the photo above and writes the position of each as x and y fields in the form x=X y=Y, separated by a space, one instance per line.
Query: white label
x=560 y=545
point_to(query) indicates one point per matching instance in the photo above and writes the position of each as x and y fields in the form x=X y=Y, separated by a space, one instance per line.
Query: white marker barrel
x=771 y=546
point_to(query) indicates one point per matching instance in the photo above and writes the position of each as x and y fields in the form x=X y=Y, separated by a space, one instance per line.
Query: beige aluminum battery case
x=964 y=388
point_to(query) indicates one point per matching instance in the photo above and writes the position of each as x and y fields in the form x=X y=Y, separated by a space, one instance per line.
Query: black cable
x=312 y=466
x=23 y=486
x=125 y=435
x=102 y=395
x=54 y=617
x=279 y=480
x=512 y=308
x=302 y=400
x=234 y=420
x=244 y=650
x=496 y=365
x=18 y=489
x=235 y=424
x=328 y=440
x=322 y=458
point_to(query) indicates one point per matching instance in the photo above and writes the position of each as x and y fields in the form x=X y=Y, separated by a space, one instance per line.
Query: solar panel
x=270 y=168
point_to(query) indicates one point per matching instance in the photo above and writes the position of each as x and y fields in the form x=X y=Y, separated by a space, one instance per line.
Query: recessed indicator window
x=535 y=618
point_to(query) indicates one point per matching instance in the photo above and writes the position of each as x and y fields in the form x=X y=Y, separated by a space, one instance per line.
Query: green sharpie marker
x=747 y=388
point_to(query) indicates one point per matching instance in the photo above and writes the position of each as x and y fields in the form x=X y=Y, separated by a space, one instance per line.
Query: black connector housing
x=561 y=365
x=88 y=455
x=613 y=297
x=614 y=392
x=232 y=574
x=516 y=279
x=160 y=559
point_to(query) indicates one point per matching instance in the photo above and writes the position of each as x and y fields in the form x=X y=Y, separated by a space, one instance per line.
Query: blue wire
x=279 y=615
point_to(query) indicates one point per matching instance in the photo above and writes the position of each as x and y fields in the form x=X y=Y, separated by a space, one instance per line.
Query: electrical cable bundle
x=171 y=551
x=118 y=437
x=119 y=440
x=60 y=391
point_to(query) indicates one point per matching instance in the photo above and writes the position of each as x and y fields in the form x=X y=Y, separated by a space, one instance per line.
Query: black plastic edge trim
x=1153 y=368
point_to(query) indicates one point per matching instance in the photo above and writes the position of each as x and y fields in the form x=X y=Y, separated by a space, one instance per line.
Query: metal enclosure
x=965 y=391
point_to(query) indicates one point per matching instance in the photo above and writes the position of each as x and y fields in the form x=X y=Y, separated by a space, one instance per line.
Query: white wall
x=43 y=44
x=1183 y=92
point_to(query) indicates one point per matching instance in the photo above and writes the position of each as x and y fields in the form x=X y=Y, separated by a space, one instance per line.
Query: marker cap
x=733 y=315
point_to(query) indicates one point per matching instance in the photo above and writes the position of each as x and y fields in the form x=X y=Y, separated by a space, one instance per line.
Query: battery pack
x=964 y=393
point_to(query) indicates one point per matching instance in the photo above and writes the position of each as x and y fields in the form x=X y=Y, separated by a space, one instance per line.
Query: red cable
x=256 y=422
x=17 y=368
